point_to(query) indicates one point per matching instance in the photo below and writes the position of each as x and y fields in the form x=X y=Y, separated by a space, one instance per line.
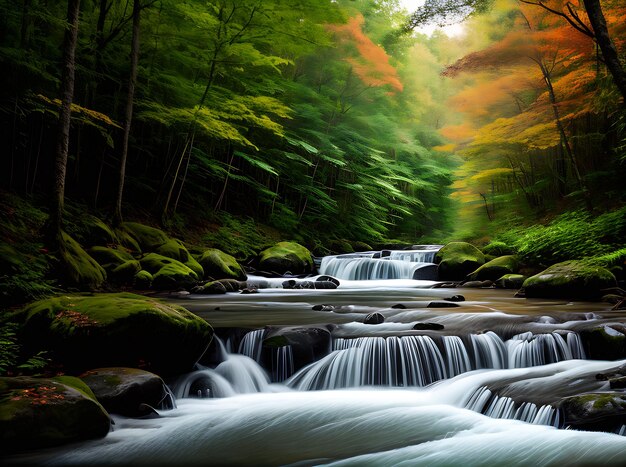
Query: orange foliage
x=371 y=64
x=459 y=133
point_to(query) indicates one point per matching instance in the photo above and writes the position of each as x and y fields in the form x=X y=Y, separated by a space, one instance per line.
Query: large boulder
x=602 y=411
x=148 y=238
x=220 y=265
x=457 y=259
x=126 y=391
x=168 y=273
x=286 y=257
x=104 y=330
x=39 y=413
x=605 y=342
x=77 y=267
x=308 y=344
x=175 y=249
x=498 y=248
x=570 y=280
x=495 y=269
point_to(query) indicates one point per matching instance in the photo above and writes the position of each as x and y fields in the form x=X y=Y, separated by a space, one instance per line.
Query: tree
x=128 y=114
x=67 y=95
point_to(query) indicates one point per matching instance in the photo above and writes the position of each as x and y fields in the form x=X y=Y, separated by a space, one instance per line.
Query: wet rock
x=398 y=306
x=124 y=390
x=457 y=259
x=308 y=344
x=617 y=383
x=455 y=298
x=477 y=284
x=249 y=290
x=328 y=279
x=39 y=413
x=605 y=411
x=428 y=327
x=613 y=299
x=605 y=342
x=323 y=308
x=428 y=272
x=374 y=318
x=293 y=284
x=570 y=280
x=510 y=281
x=442 y=304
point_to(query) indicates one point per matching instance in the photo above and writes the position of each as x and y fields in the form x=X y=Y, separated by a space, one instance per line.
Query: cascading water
x=397 y=264
x=528 y=349
x=494 y=406
x=252 y=344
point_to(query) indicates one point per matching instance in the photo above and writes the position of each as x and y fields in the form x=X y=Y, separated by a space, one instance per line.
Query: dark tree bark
x=67 y=95
x=128 y=115
x=609 y=52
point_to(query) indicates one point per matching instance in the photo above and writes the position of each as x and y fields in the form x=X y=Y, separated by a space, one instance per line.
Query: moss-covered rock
x=77 y=267
x=286 y=257
x=148 y=238
x=125 y=272
x=220 y=265
x=168 y=273
x=39 y=413
x=142 y=280
x=103 y=330
x=361 y=246
x=91 y=231
x=220 y=287
x=498 y=249
x=107 y=255
x=603 y=411
x=510 y=281
x=340 y=246
x=570 y=279
x=495 y=269
x=124 y=391
x=176 y=249
x=457 y=259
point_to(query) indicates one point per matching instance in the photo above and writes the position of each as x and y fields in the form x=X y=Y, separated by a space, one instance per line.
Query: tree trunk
x=609 y=52
x=67 y=95
x=128 y=115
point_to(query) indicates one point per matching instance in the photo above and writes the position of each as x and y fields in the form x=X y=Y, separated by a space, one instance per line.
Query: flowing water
x=478 y=385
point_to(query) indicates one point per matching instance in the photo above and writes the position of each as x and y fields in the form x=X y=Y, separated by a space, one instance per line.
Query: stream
x=284 y=384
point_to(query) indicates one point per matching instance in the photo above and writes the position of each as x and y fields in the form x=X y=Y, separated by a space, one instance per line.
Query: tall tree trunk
x=67 y=95
x=609 y=52
x=128 y=115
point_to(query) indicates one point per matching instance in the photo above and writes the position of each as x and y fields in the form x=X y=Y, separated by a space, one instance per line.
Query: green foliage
x=572 y=235
x=239 y=237
x=11 y=360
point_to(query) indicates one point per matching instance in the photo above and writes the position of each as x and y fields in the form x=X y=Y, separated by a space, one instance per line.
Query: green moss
x=172 y=276
x=106 y=255
x=125 y=272
x=286 y=257
x=495 y=269
x=570 y=279
x=153 y=262
x=143 y=280
x=175 y=249
x=457 y=259
x=126 y=240
x=510 y=281
x=340 y=246
x=89 y=231
x=497 y=248
x=122 y=329
x=148 y=238
x=220 y=265
x=77 y=384
x=78 y=267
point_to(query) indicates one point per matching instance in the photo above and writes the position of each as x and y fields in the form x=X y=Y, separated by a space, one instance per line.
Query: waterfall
x=528 y=349
x=282 y=363
x=489 y=350
x=252 y=344
x=414 y=256
x=367 y=268
x=457 y=359
x=367 y=361
x=494 y=406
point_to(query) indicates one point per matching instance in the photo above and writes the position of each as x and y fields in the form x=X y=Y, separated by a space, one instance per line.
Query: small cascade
x=252 y=344
x=489 y=351
x=414 y=256
x=494 y=406
x=236 y=374
x=367 y=361
x=367 y=268
x=457 y=359
x=282 y=363
x=528 y=349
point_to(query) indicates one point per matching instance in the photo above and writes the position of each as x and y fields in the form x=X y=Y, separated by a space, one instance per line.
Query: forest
x=156 y=149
